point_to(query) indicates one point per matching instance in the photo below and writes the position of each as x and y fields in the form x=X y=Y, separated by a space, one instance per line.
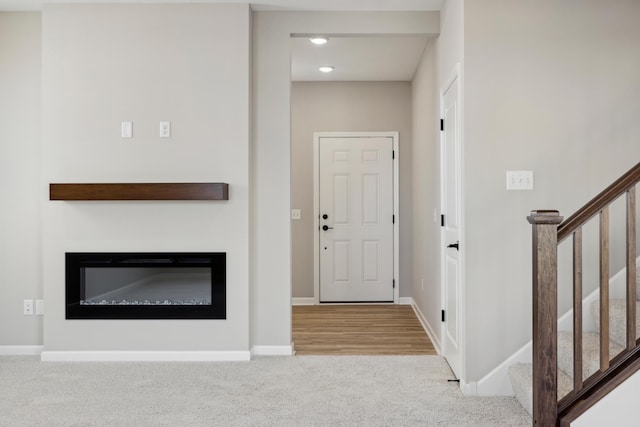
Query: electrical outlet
x=165 y=129
x=28 y=307
x=296 y=214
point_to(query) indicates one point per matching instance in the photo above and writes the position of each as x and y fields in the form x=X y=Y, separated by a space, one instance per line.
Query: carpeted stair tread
x=590 y=352
x=521 y=375
x=617 y=319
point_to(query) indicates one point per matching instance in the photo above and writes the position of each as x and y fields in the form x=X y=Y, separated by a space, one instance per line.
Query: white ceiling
x=338 y=5
x=357 y=58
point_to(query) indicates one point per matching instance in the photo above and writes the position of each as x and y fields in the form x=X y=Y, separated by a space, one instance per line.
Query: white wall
x=189 y=64
x=426 y=192
x=550 y=87
x=271 y=243
x=20 y=230
x=345 y=107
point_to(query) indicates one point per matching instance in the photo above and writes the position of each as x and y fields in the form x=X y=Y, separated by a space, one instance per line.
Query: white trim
x=303 y=301
x=426 y=326
x=469 y=389
x=497 y=382
x=405 y=301
x=316 y=203
x=396 y=213
x=455 y=76
x=145 y=356
x=272 y=350
x=20 y=350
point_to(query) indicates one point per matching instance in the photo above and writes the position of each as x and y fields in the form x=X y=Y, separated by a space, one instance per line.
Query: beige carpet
x=278 y=391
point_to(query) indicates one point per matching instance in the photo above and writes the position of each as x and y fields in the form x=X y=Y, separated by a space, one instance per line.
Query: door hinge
x=441 y=220
x=393 y=219
x=441 y=124
x=443 y=318
x=393 y=154
x=394 y=283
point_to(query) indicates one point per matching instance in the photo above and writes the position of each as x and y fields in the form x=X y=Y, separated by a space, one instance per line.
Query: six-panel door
x=356 y=219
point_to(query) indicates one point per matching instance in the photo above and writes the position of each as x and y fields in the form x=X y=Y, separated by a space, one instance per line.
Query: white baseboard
x=497 y=382
x=469 y=389
x=145 y=356
x=20 y=350
x=427 y=328
x=272 y=350
x=303 y=301
x=405 y=301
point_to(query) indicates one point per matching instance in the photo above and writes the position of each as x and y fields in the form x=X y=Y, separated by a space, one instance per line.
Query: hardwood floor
x=358 y=330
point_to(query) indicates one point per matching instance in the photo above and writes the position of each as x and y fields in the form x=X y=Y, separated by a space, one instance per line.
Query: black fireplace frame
x=75 y=262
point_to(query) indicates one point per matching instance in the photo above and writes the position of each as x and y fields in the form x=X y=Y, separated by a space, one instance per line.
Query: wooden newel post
x=545 y=316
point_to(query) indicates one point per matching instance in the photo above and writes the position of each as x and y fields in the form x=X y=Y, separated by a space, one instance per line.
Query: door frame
x=454 y=78
x=316 y=204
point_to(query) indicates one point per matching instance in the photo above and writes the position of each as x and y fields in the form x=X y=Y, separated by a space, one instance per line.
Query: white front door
x=451 y=270
x=356 y=219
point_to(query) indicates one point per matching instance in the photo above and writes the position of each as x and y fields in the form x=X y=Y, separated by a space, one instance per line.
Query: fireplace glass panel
x=146 y=285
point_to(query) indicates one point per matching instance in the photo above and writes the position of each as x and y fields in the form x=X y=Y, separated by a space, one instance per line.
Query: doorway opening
x=371 y=105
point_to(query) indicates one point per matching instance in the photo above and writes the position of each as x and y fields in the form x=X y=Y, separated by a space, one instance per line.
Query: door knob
x=325 y=216
x=453 y=245
x=326 y=227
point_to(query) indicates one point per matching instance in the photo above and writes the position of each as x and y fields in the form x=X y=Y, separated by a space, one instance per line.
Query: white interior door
x=451 y=271
x=356 y=219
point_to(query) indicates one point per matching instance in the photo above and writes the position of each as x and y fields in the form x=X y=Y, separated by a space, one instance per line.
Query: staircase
x=571 y=371
x=521 y=373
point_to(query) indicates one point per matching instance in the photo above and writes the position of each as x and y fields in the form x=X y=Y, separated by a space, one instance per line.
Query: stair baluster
x=604 y=289
x=631 y=268
x=577 y=309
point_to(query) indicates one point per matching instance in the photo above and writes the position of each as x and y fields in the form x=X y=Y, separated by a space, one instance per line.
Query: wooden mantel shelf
x=140 y=191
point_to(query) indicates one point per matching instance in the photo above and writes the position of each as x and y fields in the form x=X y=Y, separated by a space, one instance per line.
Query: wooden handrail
x=602 y=200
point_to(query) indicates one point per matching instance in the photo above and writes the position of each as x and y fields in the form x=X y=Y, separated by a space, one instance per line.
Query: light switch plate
x=296 y=214
x=126 y=129
x=40 y=307
x=519 y=180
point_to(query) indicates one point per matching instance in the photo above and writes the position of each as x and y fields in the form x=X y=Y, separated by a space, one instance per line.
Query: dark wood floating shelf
x=140 y=191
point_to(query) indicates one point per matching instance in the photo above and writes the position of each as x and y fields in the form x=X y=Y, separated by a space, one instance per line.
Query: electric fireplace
x=184 y=285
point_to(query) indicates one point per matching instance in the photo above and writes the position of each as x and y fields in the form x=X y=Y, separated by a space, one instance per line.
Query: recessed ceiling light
x=326 y=68
x=318 y=40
